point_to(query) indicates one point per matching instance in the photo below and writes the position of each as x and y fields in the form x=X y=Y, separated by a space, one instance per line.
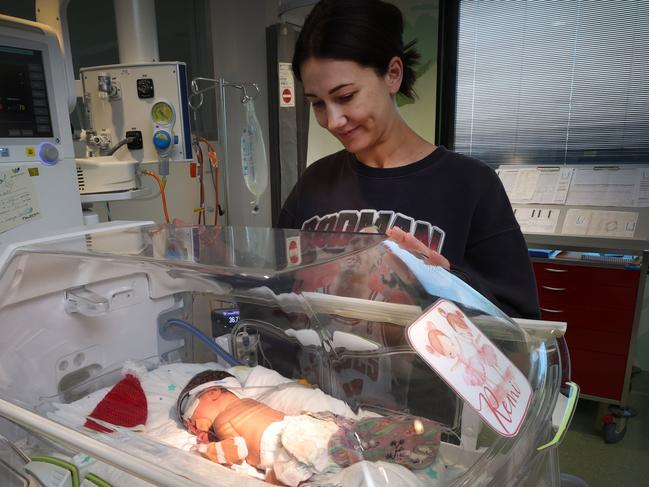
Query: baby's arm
x=227 y=452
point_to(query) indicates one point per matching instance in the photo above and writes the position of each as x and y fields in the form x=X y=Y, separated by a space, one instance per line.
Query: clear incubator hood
x=363 y=365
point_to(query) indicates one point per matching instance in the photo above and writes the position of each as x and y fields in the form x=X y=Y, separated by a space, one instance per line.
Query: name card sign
x=472 y=366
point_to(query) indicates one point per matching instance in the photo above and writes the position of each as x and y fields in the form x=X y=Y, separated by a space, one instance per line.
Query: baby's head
x=198 y=402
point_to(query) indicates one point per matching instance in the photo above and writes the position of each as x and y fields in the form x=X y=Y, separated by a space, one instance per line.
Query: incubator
x=369 y=366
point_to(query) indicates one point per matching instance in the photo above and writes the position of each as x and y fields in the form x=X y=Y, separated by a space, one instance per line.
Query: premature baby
x=290 y=449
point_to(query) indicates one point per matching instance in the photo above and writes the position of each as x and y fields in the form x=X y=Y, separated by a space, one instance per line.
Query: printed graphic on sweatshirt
x=356 y=221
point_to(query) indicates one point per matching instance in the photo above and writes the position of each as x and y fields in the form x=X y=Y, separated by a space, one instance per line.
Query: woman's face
x=351 y=101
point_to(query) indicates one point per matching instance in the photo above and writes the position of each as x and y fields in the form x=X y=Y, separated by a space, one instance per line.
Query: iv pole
x=220 y=85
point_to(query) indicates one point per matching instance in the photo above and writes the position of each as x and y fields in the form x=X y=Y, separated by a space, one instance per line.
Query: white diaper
x=289 y=471
x=297 y=448
x=271 y=444
x=307 y=439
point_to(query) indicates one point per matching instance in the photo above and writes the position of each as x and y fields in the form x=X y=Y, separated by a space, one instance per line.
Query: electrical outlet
x=137 y=143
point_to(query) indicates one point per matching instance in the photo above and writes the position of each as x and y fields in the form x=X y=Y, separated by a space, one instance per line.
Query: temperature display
x=223 y=320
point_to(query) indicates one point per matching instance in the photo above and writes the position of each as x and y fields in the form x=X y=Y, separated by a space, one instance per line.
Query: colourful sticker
x=293 y=251
x=472 y=366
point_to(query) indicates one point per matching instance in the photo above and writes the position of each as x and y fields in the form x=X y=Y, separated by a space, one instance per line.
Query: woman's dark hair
x=368 y=32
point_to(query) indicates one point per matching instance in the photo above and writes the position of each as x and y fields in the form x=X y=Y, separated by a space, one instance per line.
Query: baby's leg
x=288 y=470
x=280 y=465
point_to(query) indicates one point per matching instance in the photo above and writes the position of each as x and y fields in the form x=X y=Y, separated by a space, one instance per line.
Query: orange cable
x=197 y=154
x=200 y=173
x=206 y=142
x=162 y=193
x=215 y=164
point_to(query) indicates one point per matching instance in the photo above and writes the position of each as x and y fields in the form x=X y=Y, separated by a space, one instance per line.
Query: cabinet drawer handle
x=552 y=310
x=559 y=271
x=548 y=288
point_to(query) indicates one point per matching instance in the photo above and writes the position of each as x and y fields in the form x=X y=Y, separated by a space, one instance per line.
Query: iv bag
x=253 y=154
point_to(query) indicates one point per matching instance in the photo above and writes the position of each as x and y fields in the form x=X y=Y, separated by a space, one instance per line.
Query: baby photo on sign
x=472 y=366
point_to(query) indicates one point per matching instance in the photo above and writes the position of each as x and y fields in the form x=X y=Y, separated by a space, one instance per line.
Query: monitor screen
x=24 y=107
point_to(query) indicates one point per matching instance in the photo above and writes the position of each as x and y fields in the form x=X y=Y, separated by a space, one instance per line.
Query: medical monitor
x=24 y=105
x=39 y=193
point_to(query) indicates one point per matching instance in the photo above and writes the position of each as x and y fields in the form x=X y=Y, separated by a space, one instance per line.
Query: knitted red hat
x=124 y=405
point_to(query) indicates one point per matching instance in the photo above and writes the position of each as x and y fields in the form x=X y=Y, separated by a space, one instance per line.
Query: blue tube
x=211 y=344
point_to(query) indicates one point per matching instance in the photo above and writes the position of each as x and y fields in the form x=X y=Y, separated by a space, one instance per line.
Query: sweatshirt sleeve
x=496 y=261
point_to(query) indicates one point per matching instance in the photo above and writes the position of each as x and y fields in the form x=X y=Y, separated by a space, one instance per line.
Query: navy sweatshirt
x=453 y=203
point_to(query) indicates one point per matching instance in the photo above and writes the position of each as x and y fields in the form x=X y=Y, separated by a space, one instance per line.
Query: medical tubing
x=121 y=143
x=162 y=193
x=215 y=180
x=211 y=344
x=201 y=186
x=214 y=167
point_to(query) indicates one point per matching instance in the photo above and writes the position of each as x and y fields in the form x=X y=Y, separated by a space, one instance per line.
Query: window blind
x=553 y=82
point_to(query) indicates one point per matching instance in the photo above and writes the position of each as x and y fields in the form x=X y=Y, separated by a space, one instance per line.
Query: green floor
x=626 y=464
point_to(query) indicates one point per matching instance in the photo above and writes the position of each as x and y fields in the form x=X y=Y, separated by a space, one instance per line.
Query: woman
x=352 y=62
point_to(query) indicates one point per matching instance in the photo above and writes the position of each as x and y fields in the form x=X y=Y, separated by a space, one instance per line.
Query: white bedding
x=163 y=385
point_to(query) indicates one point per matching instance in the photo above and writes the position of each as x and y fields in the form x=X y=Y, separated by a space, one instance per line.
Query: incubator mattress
x=162 y=386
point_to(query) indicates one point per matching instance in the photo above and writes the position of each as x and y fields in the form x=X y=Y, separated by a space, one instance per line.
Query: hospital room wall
x=239 y=50
x=238 y=45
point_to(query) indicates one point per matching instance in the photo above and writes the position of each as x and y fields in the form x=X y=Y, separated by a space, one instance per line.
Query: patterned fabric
x=406 y=440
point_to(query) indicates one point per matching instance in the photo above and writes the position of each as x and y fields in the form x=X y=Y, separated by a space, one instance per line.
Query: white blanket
x=163 y=385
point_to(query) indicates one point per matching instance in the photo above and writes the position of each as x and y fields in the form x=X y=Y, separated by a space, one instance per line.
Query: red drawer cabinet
x=599 y=305
x=598 y=374
x=600 y=341
x=551 y=273
x=590 y=317
x=598 y=296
